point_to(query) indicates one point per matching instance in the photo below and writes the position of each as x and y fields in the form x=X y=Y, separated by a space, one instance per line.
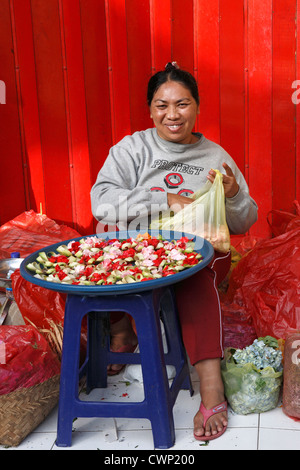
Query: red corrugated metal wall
x=75 y=73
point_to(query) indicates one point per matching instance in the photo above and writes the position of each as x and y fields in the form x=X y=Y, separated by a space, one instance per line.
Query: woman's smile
x=174 y=127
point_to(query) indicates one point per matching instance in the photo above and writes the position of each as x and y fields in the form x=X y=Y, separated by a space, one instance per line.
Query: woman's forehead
x=172 y=90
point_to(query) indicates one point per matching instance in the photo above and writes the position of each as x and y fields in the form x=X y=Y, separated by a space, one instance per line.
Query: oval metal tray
x=201 y=246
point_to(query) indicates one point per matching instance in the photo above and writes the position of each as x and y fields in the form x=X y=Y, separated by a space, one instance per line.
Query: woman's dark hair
x=173 y=73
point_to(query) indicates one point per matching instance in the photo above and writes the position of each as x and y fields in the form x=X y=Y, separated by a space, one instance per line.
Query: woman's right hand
x=177 y=202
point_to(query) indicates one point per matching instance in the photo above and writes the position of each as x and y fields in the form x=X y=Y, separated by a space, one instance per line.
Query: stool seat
x=147 y=309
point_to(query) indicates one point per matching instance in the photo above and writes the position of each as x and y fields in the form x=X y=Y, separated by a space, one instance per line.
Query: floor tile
x=232 y=439
x=278 y=439
x=277 y=419
x=242 y=421
x=270 y=430
x=126 y=440
x=35 y=441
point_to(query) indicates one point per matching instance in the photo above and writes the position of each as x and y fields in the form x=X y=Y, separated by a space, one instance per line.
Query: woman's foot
x=122 y=339
x=212 y=394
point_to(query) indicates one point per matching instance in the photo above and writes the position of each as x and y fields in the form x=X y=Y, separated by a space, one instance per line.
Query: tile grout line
x=258 y=431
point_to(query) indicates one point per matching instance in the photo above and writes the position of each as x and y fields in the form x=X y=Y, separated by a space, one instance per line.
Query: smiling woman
x=153 y=170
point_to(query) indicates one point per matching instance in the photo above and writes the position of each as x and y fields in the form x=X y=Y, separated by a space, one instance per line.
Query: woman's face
x=174 y=111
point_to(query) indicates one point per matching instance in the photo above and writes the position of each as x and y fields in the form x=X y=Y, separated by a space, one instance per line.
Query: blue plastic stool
x=146 y=308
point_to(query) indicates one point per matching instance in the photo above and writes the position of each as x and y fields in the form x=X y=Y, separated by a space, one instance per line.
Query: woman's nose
x=172 y=112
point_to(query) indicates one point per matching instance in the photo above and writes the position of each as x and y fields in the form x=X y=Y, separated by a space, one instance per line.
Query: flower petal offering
x=97 y=261
x=261 y=354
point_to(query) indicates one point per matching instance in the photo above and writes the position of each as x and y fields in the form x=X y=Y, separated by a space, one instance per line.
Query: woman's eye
x=164 y=106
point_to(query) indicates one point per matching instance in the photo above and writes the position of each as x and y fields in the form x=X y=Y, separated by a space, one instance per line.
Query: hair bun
x=171 y=66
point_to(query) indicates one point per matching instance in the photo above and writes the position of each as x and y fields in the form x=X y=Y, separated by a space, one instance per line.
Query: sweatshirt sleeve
x=117 y=196
x=241 y=210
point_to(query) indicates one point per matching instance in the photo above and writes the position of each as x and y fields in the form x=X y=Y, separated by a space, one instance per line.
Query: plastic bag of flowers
x=253 y=376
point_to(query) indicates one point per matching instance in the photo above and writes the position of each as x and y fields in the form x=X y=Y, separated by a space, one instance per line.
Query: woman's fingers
x=230 y=184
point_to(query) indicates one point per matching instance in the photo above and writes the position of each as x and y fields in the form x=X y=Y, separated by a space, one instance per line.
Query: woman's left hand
x=230 y=184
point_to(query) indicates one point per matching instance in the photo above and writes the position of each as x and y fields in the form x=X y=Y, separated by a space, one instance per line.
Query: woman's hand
x=229 y=182
x=177 y=202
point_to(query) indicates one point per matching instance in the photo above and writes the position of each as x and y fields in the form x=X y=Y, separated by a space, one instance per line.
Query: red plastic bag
x=238 y=330
x=265 y=284
x=42 y=307
x=282 y=222
x=246 y=244
x=29 y=232
x=26 y=358
x=38 y=305
x=263 y=294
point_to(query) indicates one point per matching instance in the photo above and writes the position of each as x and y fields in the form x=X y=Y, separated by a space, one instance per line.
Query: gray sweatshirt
x=142 y=168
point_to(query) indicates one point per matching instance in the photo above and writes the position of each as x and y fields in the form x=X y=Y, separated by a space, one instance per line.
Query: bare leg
x=212 y=394
x=122 y=334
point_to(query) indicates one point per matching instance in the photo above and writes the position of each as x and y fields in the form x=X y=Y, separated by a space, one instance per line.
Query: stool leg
x=98 y=343
x=69 y=372
x=156 y=385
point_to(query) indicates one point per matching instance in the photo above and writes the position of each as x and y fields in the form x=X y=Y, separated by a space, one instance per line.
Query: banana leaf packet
x=250 y=389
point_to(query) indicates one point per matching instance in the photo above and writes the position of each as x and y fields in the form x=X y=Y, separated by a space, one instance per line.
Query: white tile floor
x=266 y=431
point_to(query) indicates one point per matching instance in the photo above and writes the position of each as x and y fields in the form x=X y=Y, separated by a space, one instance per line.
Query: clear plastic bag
x=204 y=217
x=249 y=389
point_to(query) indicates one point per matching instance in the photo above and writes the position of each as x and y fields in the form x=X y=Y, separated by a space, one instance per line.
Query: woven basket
x=24 y=409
